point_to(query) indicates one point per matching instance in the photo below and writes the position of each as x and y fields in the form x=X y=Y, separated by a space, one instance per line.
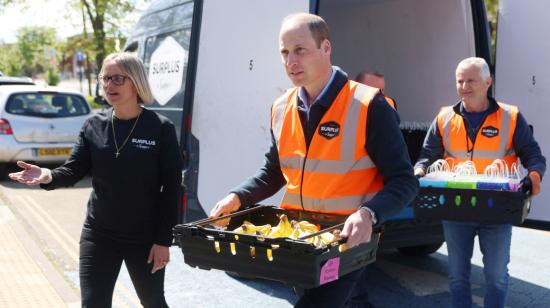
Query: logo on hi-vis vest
x=329 y=130
x=489 y=131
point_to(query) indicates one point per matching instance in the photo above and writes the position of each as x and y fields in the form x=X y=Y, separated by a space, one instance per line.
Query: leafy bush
x=52 y=77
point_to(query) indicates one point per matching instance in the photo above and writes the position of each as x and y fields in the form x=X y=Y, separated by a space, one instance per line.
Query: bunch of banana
x=291 y=229
x=302 y=228
x=283 y=229
x=323 y=239
x=251 y=229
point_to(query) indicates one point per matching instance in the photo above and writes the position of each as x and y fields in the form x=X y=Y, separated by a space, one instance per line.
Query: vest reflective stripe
x=479 y=154
x=486 y=149
x=332 y=205
x=277 y=112
x=326 y=166
x=335 y=174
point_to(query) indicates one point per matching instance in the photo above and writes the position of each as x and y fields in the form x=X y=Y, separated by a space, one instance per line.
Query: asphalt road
x=53 y=219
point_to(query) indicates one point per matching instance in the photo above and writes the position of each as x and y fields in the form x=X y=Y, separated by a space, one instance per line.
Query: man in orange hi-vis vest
x=480 y=129
x=325 y=153
x=376 y=80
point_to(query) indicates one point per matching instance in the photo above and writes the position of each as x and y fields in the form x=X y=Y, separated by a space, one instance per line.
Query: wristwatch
x=372 y=214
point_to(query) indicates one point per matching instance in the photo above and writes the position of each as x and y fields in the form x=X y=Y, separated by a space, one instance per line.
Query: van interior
x=415 y=44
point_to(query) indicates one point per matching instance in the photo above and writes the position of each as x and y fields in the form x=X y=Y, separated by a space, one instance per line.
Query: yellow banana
x=291 y=229
x=283 y=229
x=327 y=237
x=295 y=233
x=307 y=226
x=264 y=230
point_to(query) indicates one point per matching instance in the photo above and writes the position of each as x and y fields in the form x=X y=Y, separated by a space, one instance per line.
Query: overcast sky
x=52 y=13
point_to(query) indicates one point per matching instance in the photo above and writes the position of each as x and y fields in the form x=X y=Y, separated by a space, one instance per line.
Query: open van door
x=522 y=78
x=238 y=77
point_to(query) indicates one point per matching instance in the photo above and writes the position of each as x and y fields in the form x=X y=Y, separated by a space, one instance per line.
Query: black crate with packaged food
x=461 y=194
x=298 y=248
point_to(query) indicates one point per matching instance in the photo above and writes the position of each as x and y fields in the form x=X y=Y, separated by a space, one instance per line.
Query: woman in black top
x=133 y=157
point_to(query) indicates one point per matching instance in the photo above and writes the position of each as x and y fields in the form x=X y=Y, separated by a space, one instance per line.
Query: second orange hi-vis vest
x=335 y=174
x=391 y=102
x=493 y=140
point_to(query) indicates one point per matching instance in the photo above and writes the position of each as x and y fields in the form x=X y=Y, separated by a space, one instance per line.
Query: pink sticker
x=329 y=271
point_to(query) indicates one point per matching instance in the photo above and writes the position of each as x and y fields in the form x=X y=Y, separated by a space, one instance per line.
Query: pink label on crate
x=329 y=271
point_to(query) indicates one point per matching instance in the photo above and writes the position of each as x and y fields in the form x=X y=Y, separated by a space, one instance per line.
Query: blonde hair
x=134 y=69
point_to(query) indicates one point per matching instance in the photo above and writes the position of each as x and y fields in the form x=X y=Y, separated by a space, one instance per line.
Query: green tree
x=5 y=3
x=10 y=62
x=32 y=42
x=492 y=15
x=104 y=17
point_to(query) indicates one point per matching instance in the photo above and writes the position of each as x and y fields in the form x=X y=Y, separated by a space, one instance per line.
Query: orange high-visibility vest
x=391 y=102
x=335 y=174
x=493 y=140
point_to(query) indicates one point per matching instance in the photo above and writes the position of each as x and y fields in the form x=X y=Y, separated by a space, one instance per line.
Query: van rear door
x=522 y=78
x=239 y=75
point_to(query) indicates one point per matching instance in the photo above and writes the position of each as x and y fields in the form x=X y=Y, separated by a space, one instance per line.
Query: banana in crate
x=291 y=229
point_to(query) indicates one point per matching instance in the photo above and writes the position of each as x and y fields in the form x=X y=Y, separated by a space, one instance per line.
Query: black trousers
x=100 y=262
x=334 y=294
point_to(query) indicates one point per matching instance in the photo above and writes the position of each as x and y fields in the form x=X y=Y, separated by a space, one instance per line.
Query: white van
x=215 y=70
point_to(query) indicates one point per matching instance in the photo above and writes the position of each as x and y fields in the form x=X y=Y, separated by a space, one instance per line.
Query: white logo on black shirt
x=143 y=143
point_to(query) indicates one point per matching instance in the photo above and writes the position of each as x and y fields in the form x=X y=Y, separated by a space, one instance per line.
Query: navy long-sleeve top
x=384 y=143
x=525 y=146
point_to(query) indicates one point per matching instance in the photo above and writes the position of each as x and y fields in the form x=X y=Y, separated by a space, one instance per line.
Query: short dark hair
x=368 y=72
x=317 y=26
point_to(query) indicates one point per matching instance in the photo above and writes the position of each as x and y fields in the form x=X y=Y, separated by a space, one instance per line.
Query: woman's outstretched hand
x=31 y=174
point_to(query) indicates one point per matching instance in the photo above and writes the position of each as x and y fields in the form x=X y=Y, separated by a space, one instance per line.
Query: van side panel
x=239 y=75
x=415 y=44
x=522 y=76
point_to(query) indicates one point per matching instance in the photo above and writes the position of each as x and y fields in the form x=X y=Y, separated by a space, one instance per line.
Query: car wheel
x=421 y=250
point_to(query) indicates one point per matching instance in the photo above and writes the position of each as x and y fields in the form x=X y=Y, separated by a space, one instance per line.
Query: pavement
x=49 y=225
x=27 y=277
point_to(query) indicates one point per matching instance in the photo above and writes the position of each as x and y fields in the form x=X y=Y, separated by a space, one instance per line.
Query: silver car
x=39 y=124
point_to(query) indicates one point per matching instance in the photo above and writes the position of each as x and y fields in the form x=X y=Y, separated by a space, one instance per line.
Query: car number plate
x=53 y=151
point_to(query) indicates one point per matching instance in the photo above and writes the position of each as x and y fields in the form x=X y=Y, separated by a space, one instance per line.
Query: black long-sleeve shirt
x=135 y=197
x=385 y=145
x=525 y=146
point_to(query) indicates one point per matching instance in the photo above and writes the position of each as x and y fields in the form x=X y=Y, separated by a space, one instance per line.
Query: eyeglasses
x=117 y=80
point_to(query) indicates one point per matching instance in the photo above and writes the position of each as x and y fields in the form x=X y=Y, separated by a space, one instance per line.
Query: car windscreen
x=47 y=105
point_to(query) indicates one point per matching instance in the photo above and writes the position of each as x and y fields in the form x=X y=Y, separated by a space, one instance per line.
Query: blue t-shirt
x=474 y=121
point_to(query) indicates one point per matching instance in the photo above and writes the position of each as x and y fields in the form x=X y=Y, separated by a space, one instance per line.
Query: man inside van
x=336 y=148
x=376 y=80
x=480 y=129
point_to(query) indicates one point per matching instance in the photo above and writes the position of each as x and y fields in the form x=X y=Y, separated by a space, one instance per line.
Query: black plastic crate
x=294 y=262
x=475 y=205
